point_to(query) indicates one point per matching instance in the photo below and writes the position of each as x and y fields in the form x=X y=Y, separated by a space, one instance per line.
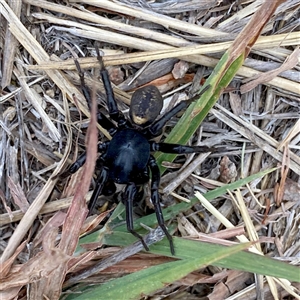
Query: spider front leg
x=129 y=194
x=156 y=200
x=156 y=128
x=101 y=119
x=113 y=111
x=180 y=149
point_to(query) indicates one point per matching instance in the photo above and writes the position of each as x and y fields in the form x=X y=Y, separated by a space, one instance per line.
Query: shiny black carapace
x=127 y=158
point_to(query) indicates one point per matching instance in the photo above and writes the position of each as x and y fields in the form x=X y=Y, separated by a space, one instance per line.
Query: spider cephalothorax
x=127 y=158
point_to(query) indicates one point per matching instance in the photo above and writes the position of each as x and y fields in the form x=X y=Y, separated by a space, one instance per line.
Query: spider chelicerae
x=127 y=158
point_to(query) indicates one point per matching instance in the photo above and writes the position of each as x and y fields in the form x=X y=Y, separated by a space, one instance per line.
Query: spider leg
x=156 y=200
x=106 y=124
x=100 y=183
x=102 y=120
x=113 y=111
x=84 y=89
x=156 y=128
x=129 y=193
x=81 y=160
x=180 y=149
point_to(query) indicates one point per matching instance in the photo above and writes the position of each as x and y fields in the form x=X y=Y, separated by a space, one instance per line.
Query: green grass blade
x=151 y=279
x=172 y=211
x=197 y=111
x=188 y=249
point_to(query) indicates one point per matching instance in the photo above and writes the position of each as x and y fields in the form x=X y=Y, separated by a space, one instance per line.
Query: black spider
x=127 y=158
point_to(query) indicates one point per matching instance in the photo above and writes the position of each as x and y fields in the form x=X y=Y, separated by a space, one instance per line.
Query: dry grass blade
x=264 y=42
x=27 y=220
x=258 y=137
x=153 y=17
x=37 y=52
x=10 y=48
x=142 y=44
x=36 y=103
x=290 y=63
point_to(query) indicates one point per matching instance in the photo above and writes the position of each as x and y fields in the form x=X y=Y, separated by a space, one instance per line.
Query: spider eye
x=146 y=104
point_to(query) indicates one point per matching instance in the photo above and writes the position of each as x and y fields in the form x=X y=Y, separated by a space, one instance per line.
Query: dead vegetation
x=174 y=45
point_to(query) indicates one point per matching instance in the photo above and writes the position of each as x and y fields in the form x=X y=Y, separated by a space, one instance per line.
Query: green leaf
x=151 y=279
x=196 y=112
x=188 y=249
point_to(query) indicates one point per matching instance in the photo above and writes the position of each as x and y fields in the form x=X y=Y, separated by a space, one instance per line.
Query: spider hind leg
x=156 y=200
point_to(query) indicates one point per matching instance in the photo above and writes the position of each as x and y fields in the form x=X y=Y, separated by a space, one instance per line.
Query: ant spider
x=126 y=158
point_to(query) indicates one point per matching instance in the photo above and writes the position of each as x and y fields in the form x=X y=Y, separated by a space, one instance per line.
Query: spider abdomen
x=127 y=157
